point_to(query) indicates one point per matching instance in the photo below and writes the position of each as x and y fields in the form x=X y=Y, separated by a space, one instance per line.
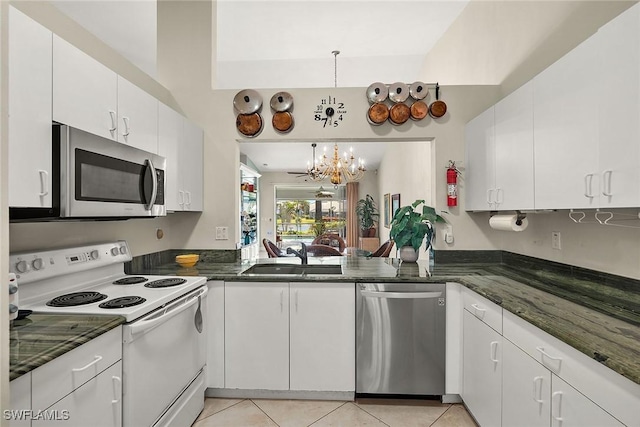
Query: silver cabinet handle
x=44 y=182
x=188 y=198
x=88 y=365
x=489 y=194
x=606 y=182
x=114 y=122
x=544 y=353
x=537 y=390
x=181 y=200
x=117 y=381
x=494 y=352
x=588 y=181
x=126 y=127
x=558 y=416
x=478 y=311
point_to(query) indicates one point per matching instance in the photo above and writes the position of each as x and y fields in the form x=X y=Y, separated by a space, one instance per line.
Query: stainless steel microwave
x=98 y=178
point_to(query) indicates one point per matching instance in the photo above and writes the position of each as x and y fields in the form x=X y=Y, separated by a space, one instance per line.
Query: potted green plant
x=367 y=215
x=409 y=228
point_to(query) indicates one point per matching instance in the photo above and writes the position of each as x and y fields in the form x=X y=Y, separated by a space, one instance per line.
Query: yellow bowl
x=188 y=260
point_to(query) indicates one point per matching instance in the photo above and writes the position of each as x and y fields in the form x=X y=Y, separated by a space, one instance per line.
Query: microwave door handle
x=154 y=182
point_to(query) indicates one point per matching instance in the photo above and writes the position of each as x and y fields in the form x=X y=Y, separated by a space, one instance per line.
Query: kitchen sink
x=292 y=269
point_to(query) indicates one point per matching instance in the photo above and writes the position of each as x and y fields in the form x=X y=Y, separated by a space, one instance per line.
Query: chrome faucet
x=302 y=254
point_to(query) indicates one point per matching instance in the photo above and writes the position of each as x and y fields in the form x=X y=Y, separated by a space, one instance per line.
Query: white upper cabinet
x=566 y=131
x=30 y=154
x=480 y=162
x=85 y=92
x=170 y=135
x=137 y=117
x=619 y=110
x=191 y=165
x=181 y=143
x=514 y=186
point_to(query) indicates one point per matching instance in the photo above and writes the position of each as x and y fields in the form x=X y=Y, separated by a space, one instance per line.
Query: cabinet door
x=84 y=91
x=215 y=335
x=170 y=137
x=29 y=112
x=20 y=392
x=96 y=403
x=566 y=131
x=137 y=117
x=322 y=353
x=191 y=166
x=257 y=335
x=481 y=371
x=480 y=159
x=619 y=110
x=526 y=389
x=571 y=408
x=514 y=150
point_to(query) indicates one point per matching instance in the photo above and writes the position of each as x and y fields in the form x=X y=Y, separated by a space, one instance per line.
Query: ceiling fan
x=298 y=174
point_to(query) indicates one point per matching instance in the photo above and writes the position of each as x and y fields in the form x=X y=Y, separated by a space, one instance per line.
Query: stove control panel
x=34 y=266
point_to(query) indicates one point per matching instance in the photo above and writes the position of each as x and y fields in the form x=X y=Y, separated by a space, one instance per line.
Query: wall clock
x=330 y=112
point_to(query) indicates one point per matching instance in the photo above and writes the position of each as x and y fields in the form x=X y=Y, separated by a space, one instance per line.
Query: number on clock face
x=329 y=112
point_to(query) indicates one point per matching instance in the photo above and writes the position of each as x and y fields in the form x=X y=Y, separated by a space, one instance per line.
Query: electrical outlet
x=222 y=233
x=555 y=240
x=448 y=234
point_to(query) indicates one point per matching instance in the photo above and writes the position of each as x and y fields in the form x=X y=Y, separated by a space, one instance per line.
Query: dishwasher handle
x=401 y=295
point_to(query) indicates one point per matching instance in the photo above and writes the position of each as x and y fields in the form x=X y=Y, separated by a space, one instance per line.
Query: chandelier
x=336 y=168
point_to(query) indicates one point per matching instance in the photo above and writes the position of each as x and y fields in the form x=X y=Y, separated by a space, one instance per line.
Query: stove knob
x=94 y=254
x=123 y=250
x=22 y=266
x=37 y=264
x=114 y=251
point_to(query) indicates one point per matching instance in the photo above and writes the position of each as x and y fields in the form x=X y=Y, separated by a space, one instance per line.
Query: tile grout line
x=325 y=415
x=441 y=415
x=260 y=409
x=367 y=412
x=221 y=410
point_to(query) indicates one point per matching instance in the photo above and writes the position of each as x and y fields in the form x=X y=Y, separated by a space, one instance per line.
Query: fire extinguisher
x=452 y=184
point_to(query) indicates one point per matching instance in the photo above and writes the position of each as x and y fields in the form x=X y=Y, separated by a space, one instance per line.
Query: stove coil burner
x=164 y=283
x=122 y=302
x=76 y=298
x=131 y=280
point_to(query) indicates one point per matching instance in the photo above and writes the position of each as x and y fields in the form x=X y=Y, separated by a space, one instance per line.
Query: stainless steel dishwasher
x=400 y=338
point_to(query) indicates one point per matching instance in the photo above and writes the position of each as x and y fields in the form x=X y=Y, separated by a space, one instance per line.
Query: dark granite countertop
x=596 y=313
x=40 y=338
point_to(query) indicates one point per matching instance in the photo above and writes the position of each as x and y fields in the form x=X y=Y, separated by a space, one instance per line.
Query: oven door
x=104 y=178
x=162 y=354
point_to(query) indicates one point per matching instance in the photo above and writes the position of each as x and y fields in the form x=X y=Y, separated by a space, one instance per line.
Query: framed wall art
x=387 y=210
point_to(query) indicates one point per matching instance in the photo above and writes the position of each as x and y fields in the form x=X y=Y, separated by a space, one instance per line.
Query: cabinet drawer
x=485 y=310
x=616 y=394
x=54 y=380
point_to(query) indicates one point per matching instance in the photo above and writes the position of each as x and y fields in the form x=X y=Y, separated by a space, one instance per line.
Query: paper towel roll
x=507 y=223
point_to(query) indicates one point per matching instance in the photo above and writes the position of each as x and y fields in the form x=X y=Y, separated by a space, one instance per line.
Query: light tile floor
x=303 y=413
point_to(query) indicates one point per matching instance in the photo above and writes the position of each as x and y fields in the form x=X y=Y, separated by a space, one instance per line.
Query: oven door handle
x=150 y=170
x=144 y=325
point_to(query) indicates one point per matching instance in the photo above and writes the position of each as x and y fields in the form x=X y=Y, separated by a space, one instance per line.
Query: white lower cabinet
x=96 y=403
x=289 y=336
x=570 y=408
x=256 y=335
x=20 y=392
x=215 y=334
x=322 y=336
x=526 y=389
x=482 y=370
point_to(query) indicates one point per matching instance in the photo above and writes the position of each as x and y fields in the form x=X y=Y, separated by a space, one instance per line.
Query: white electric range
x=164 y=344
